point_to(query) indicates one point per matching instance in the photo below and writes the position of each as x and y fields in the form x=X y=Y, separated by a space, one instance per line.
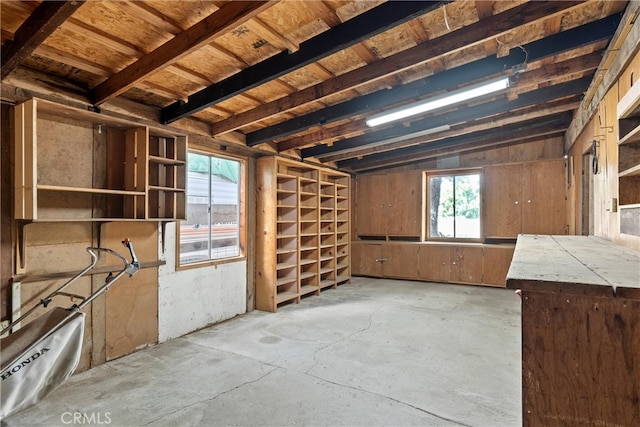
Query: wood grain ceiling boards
x=300 y=77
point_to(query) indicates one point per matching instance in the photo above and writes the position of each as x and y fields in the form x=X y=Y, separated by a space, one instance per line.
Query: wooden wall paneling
x=501 y=200
x=544 y=197
x=579 y=333
x=32 y=292
x=435 y=263
x=404 y=216
x=496 y=261
x=401 y=260
x=371 y=197
x=6 y=208
x=364 y=258
x=57 y=248
x=466 y=264
x=131 y=304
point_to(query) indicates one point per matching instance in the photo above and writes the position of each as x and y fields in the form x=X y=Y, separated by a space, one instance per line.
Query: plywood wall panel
x=131 y=305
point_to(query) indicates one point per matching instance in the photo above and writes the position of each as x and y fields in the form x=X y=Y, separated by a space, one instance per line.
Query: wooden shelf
x=631 y=137
x=89 y=190
x=290 y=199
x=629 y=105
x=166 y=161
x=307 y=275
x=172 y=189
x=634 y=171
x=286 y=296
x=138 y=171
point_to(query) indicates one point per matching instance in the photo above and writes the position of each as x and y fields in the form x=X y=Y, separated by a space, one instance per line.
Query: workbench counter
x=580 y=330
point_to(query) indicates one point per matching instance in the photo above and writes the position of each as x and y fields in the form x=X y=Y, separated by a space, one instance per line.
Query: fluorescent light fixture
x=455 y=97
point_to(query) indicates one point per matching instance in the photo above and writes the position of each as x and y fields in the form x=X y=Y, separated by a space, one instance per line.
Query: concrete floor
x=373 y=352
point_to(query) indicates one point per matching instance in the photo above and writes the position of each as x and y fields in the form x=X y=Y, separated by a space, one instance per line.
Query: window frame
x=427 y=204
x=242 y=212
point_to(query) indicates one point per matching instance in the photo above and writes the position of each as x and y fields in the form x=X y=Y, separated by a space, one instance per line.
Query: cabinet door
x=365 y=259
x=371 y=200
x=497 y=260
x=501 y=200
x=404 y=213
x=435 y=263
x=543 y=198
x=401 y=260
x=466 y=264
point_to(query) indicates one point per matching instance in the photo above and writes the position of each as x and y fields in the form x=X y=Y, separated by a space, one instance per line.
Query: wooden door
x=400 y=260
x=404 y=207
x=365 y=259
x=502 y=200
x=543 y=197
x=466 y=264
x=371 y=201
x=435 y=262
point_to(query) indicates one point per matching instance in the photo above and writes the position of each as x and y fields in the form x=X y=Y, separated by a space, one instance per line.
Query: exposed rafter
x=424 y=126
x=220 y=22
x=366 y=25
x=549 y=46
x=42 y=22
x=420 y=54
x=533 y=129
x=537 y=111
x=531 y=79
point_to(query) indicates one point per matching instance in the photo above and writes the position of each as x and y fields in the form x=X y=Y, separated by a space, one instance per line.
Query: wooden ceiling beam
x=492 y=27
x=527 y=82
x=40 y=24
x=531 y=130
x=591 y=33
x=357 y=29
x=424 y=126
x=510 y=118
x=220 y=22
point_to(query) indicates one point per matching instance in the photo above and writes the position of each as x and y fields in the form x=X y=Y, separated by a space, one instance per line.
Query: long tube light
x=455 y=97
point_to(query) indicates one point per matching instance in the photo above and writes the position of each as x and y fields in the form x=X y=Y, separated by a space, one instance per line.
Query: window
x=454 y=205
x=212 y=229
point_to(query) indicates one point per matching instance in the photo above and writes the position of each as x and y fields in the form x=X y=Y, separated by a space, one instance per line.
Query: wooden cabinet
x=371 y=204
x=467 y=263
x=366 y=259
x=396 y=260
x=524 y=198
x=76 y=165
x=303 y=238
x=629 y=161
x=389 y=204
x=451 y=263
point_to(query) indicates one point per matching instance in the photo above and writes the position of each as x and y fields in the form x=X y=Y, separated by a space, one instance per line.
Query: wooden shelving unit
x=303 y=238
x=629 y=161
x=76 y=165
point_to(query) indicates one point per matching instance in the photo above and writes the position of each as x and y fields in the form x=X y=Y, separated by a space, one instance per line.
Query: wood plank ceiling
x=301 y=77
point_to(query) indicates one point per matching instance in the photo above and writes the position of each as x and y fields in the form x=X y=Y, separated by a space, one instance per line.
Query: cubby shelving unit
x=78 y=165
x=629 y=161
x=303 y=218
